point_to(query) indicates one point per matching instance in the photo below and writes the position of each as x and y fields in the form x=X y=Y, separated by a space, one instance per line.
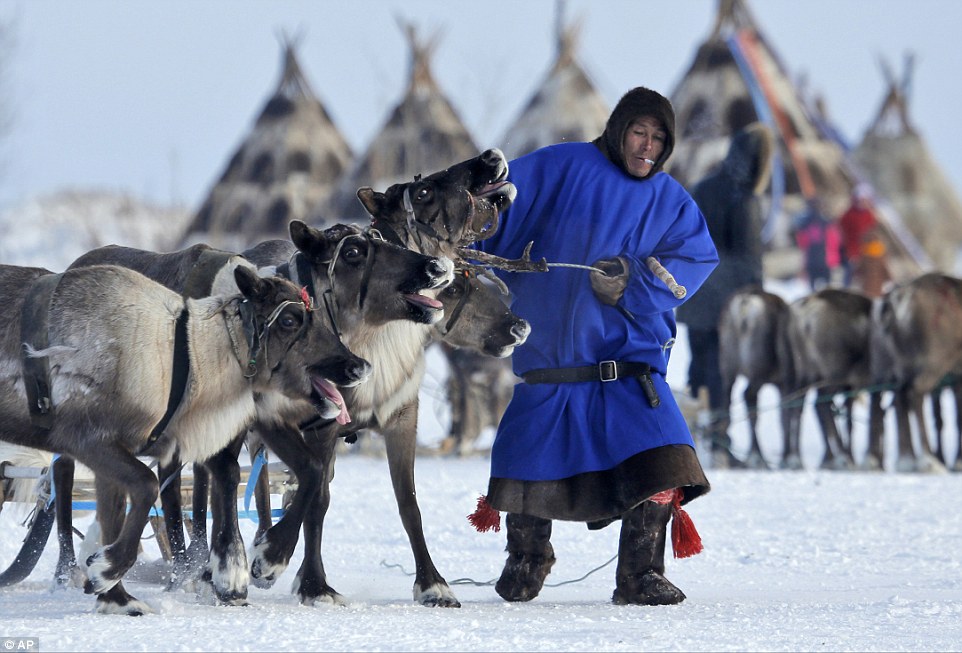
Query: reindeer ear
x=296 y=227
x=309 y=240
x=371 y=200
x=247 y=281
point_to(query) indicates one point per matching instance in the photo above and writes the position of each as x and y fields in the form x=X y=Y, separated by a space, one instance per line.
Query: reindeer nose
x=495 y=159
x=441 y=268
x=360 y=370
x=520 y=330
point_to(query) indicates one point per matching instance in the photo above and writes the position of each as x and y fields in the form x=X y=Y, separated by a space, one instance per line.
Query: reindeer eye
x=352 y=252
x=423 y=195
x=290 y=320
x=452 y=291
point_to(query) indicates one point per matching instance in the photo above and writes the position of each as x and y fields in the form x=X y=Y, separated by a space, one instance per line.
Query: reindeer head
x=445 y=210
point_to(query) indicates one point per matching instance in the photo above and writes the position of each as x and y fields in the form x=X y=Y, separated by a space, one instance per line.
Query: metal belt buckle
x=608 y=371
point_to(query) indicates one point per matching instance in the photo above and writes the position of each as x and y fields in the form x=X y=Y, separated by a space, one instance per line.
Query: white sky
x=152 y=98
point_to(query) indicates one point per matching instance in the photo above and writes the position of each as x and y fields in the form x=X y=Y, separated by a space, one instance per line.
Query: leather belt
x=604 y=372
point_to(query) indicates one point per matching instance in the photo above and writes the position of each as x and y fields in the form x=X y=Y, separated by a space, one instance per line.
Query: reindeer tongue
x=417 y=298
x=327 y=390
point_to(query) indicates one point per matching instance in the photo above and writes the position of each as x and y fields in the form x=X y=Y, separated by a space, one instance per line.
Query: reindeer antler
x=523 y=264
x=475 y=232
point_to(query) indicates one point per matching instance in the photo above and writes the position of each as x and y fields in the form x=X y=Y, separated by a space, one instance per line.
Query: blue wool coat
x=577 y=207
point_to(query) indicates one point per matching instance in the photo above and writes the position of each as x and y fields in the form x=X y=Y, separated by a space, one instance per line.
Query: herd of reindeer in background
x=897 y=351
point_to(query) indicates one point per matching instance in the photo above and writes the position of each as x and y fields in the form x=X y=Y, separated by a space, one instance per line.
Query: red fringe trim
x=685 y=540
x=485 y=517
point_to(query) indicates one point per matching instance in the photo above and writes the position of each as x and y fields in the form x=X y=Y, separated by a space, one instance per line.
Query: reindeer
x=434 y=214
x=830 y=335
x=376 y=282
x=753 y=343
x=918 y=337
x=116 y=365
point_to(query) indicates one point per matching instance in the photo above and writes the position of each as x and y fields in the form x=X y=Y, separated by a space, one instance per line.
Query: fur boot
x=640 y=578
x=530 y=557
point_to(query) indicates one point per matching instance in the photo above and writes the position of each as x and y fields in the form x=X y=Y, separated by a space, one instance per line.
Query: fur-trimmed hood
x=749 y=158
x=634 y=104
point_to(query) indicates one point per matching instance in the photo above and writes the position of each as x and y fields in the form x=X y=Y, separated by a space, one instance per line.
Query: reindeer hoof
x=930 y=465
x=438 y=595
x=792 y=462
x=98 y=566
x=756 y=461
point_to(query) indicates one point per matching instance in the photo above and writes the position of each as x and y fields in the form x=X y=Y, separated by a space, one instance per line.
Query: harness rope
x=485 y=583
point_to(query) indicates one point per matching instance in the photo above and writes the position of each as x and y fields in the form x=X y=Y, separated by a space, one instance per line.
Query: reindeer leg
x=262 y=498
x=118 y=472
x=170 y=483
x=755 y=459
x=905 y=458
x=67 y=573
x=271 y=552
x=957 y=398
x=938 y=422
x=430 y=588
x=310 y=584
x=925 y=460
x=199 y=550
x=876 y=433
x=849 y=424
x=836 y=456
x=791 y=414
x=111 y=505
x=227 y=566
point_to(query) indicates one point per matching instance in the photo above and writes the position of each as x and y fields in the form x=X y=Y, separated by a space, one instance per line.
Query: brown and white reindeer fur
x=919 y=337
x=111 y=345
x=433 y=215
x=753 y=343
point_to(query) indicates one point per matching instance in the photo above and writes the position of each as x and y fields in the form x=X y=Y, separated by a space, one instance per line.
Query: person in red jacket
x=855 y=224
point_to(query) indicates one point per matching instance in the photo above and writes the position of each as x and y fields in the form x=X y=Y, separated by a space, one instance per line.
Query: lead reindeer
x=353 y=277
x=105 y=351
x=917 y=331
x=753 y=343
x=434 y=214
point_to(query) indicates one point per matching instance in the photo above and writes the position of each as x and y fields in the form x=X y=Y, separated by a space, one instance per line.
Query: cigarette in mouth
x=649 y=162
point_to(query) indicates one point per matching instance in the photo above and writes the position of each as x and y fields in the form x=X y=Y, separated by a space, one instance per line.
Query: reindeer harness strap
x=462 y=302
x=178 y=379
x=34 y=330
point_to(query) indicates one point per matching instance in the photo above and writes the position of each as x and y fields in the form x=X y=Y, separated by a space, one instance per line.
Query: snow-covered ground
x=793 y=561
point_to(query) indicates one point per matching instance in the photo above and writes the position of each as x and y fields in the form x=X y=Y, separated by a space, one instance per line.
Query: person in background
x=730 y=199
x=862 y=245
x=594 y=433
x=818 y=238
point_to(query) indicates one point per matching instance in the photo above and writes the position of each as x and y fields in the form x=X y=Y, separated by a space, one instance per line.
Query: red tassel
x=485 y=517
x=685 y=540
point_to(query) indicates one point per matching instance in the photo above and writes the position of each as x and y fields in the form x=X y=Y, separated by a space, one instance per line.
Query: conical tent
x=737 y=78
x=423 y=134
x=285 y=166
x=566 y=107
x=897 y=162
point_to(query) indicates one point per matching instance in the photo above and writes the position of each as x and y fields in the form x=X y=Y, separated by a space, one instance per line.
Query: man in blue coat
x=594 y=432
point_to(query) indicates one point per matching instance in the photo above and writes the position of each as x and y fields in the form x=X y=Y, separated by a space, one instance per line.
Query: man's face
x=643 y=143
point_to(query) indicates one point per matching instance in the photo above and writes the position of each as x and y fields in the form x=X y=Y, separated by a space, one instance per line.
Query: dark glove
x=610 y=286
